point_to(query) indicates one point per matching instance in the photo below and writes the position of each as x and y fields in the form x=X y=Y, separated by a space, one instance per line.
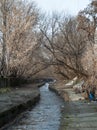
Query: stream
x=45 y=115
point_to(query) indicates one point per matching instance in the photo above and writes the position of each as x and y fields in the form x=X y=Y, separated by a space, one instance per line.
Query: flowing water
x=44 y=116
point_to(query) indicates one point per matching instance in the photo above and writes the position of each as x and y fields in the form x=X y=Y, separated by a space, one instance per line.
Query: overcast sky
x=70 y=6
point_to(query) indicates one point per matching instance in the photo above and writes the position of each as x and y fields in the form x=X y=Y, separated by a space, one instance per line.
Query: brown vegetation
x=88 y=22
x=18 y=38
x=32 y=42
x=66 y=45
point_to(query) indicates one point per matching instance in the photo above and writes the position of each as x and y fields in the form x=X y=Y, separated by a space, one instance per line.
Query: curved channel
x=44 y=116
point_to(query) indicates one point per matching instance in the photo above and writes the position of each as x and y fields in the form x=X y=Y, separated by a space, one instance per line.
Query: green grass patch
x=5 y=90
x=67 y=117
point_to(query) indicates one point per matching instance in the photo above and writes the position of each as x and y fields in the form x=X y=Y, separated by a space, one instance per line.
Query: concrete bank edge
x=10 y=114
x=63 y=94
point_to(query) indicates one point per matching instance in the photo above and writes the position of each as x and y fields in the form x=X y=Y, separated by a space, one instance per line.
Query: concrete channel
x=46 y=115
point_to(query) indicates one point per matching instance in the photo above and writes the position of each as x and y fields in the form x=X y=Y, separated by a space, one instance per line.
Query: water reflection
x=44 y=116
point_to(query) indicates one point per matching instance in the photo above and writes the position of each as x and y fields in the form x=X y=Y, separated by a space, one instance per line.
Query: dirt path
x=77 y=113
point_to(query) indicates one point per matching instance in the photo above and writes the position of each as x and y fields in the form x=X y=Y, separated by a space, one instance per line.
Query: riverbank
x=77 y=113
x=16 y=101
x=67 y=93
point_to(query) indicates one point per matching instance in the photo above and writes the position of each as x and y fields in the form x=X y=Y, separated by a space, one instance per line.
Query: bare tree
x=18 y=36
x=87 y=21
x=66 y=45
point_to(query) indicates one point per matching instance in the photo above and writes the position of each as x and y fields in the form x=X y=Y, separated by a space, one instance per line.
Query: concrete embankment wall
x=61 y=92
x=17 y=101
